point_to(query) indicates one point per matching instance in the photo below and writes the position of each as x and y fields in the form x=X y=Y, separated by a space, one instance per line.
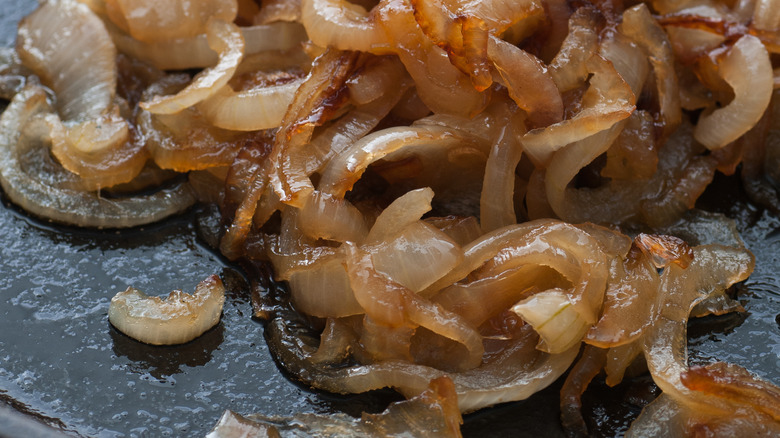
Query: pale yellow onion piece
x=177 y=319
x=249 y=110
x=341 y=24
x=402 y=212
x=346 y=168
x=748 y=70
x=154 y=21
x=689 y=44
x=565 y=165
x=66 y=45
x=324 y=216
x=225 y=39
x=417 y=257
x=185 y=53
x=322 y=289
x=554 y=317
x=766 y=15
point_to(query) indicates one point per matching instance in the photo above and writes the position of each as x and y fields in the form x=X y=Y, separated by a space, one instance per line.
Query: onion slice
x=249 y=110
x=66 y=45
x=186 y=53
x=431 y=414
x=42 y=195
x=153 y=21
x=748 y=70
x=607 y=101
x=175 y=320
x=225 y=39
x=341 y=24
x=552 y=315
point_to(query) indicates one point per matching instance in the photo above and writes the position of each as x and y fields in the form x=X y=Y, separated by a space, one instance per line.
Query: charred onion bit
x=177 y=319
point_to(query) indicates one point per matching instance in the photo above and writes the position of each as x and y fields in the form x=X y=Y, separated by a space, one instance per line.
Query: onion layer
x=747 y=69
x=177 y=319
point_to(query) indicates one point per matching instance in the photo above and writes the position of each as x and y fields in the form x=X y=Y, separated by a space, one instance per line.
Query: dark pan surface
x=61 y=362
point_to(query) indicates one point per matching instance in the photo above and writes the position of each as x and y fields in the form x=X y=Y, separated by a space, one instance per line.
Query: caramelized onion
x=225 y=39
x=67 y=46
x=65 y=202
x=384 y=156
x=748 y=58
x=433 y=413
x=151 y=22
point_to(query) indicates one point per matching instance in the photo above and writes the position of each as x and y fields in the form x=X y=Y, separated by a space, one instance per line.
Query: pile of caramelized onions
x=464 y=198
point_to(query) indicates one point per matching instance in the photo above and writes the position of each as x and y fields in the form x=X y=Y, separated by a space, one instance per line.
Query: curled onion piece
x=431 y=414
x=343 y=171
x=341 y=24
x=632 y=286
x=498 y=262
x=322 y=87
x=66 y=45
x=747 y=69
x=186 y=53
x=515 y=374
x=225 y=39
x=177 y=319
x=766 y=15
x=497 y=200
x=93 y=138
x=639 y=25
x=542 y=100
x=262 y=103
x=323 y=289
x=250 y=110
x=392 y=304
x=664 y=344
x=607 y=101
x=411 y=264
x=568 y=68
x=152 y=21
x=324 y=216
x=76 y=206
x=402 y=212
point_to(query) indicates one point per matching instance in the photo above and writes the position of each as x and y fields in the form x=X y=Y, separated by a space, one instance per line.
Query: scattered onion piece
x=177 y=319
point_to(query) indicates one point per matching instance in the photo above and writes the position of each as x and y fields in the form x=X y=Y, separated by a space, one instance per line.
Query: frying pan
x=65 y=369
